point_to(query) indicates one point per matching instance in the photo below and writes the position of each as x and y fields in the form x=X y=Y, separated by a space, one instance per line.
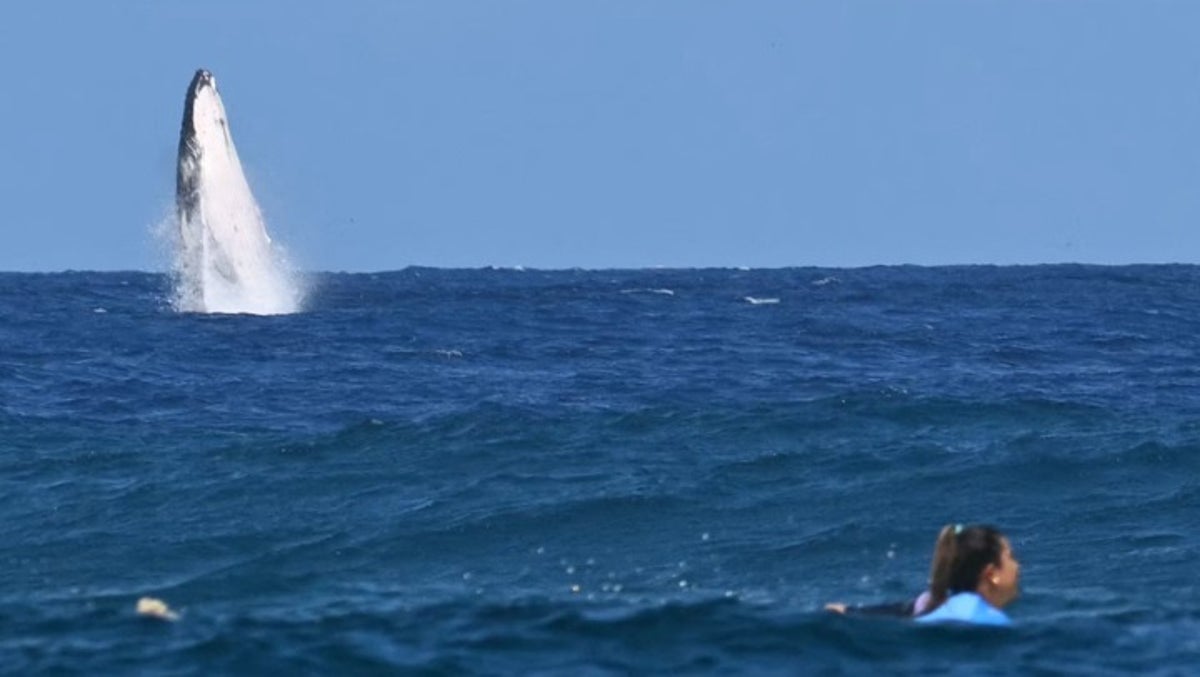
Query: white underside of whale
x=226 y=262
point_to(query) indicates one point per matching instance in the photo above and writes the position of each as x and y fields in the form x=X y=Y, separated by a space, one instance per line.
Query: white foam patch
x=660 y=292
x=224 y=260
x=754 y=301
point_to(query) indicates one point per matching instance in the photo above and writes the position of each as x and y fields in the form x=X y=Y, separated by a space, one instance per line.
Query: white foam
x=224 y=260
x=761 y=301
x=661 y=292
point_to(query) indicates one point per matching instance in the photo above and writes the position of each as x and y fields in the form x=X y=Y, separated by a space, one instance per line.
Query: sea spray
x=225 y=262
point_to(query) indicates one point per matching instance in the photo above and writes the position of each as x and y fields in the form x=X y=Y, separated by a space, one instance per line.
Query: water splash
x=225 y=262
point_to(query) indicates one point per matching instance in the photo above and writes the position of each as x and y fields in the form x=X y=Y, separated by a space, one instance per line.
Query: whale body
x=225 y=261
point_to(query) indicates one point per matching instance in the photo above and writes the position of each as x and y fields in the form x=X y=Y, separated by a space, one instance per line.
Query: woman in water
x=972 y=576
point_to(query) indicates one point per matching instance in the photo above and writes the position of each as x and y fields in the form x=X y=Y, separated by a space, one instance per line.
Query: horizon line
x=600 y=269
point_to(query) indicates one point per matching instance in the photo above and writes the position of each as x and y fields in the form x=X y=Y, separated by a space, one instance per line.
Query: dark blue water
x=580 y=472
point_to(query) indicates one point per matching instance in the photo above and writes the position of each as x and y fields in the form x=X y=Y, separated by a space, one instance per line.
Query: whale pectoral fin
x=220 y=261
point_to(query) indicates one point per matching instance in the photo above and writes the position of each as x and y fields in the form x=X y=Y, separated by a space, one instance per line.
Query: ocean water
x=598 y=472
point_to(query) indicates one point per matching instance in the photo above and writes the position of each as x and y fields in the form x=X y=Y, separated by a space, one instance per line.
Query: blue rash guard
x=966 y=607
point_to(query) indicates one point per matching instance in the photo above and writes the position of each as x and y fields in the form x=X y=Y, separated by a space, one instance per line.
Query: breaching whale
x=225 y=261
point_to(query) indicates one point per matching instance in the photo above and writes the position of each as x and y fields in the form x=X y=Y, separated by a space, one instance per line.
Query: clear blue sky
x=601 y=133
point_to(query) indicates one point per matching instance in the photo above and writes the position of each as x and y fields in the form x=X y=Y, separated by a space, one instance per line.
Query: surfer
x=973 y=574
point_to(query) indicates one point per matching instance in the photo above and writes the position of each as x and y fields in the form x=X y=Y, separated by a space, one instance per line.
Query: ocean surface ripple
x=598 y=472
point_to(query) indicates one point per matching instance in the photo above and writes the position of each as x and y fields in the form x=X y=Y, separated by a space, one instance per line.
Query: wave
x=659 y=291
x=469 y=635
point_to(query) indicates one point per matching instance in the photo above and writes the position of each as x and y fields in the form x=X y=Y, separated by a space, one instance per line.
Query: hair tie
x=957 y=529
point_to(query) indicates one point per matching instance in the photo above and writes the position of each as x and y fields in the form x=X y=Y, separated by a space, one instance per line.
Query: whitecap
x=761 y=302
x=660 y=291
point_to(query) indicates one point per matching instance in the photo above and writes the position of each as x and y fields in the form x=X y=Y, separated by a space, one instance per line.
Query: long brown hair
x=959 y=558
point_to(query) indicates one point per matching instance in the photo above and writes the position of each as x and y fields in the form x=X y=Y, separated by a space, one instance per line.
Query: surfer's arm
x=895 y=609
